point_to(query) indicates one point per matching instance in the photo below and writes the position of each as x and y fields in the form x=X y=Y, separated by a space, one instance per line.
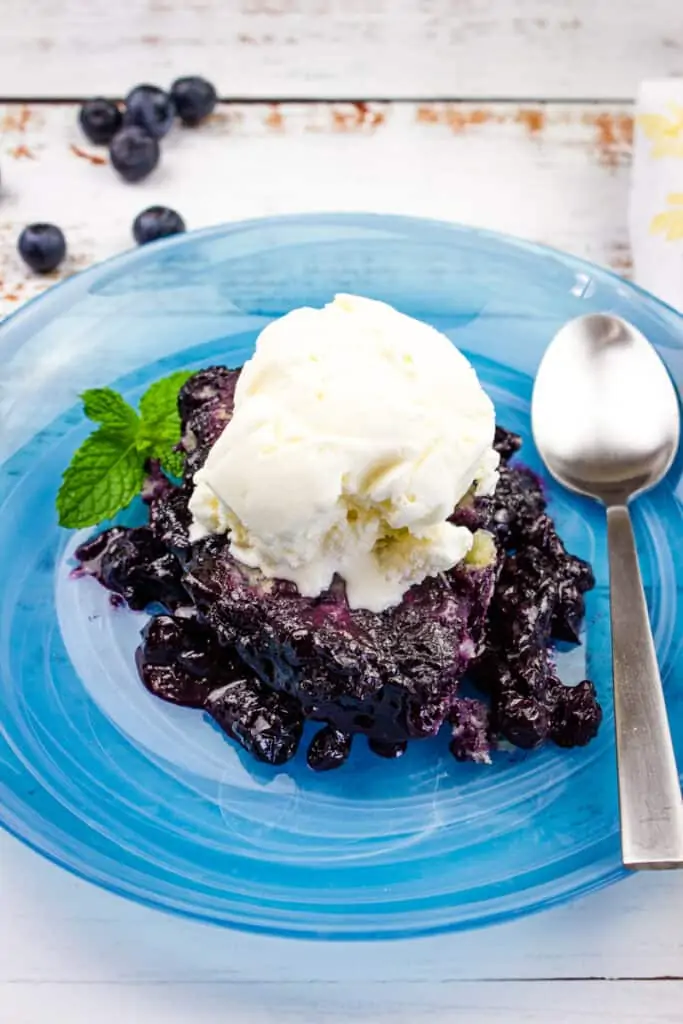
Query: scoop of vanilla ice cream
x=356 y=432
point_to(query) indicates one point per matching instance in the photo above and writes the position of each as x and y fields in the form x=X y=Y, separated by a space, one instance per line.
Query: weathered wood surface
x=341 y=48
x=74 y=954
x=554 y=173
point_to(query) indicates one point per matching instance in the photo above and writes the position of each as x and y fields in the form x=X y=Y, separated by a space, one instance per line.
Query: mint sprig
x=107 y=471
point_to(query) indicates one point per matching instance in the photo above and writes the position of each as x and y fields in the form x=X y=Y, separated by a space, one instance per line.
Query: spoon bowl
x=606 y=422
x=605 y=414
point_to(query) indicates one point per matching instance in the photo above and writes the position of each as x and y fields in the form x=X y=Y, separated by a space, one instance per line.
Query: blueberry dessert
x=368 y=619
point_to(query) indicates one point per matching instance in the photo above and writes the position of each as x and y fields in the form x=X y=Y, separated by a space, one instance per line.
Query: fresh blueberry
x=194 y=99
x=156 y=222
x=150 y=108
x=100 y=120
x=134 y=153
x=42 y=246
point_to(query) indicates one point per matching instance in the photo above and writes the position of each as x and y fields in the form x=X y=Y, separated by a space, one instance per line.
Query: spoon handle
x=649 y=790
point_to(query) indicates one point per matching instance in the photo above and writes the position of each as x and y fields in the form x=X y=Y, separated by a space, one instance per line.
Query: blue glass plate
x=151 y=800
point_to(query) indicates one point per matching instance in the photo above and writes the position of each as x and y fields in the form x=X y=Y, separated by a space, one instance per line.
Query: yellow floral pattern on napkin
x=670 y=222
x=665 y=133
x=655 y=207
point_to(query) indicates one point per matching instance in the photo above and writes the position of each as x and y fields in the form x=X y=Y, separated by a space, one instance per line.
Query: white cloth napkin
x=656 y=203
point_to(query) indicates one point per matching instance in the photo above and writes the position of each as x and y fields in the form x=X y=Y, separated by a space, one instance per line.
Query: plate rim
x=142 y=252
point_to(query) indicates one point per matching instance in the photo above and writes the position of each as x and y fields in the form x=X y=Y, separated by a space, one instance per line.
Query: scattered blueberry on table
x=42 y=247
x=150 y=108
x=132 y=134
x=100 y=119
x=157 y=222
x=134 y=153
x=194 y=99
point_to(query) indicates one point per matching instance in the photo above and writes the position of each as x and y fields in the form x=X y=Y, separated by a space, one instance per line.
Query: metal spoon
x=605 y=420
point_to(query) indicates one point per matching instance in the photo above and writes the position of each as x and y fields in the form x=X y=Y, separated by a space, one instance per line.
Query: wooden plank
x=58 y=929
x=440 y=1003
x=554 y=173
x=342 y=48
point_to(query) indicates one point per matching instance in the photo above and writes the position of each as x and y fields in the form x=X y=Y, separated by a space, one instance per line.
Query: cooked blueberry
x=532 y=670
x=390 y=751
x=568 y=613
x=163 y=637
x=521 y=720
x=516 y=504
x=201 y=656
x=205 y=404
x=491 y=672
x=100 y=119
x=134 y=153
x=540 y=534
x=197 y=660
x=424 y=717
x=267 y=724
x=171 y=683
x=580 y=572
x=329 y=749
x=180 y=661
x=470 y=731
x=157 y=222
x=156 y=484
x=506 y=443
x=524 y=603
x=210 y=388
x=90 y=550
x=151 y=109
x=134 y=564
x=42 y=247
x=194 y=99
x=577 y=715
x=170 y=517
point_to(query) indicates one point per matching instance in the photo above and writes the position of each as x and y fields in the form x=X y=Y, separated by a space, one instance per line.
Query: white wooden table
x=511 y=114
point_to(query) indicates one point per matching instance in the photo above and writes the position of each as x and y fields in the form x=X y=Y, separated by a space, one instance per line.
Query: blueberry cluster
x=149 y=113
x=132 y=133
x=539 y=598
x=136 y=565
x=261 y=659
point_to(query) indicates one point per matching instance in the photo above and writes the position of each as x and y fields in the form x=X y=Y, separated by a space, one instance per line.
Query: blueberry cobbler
x=345 y=537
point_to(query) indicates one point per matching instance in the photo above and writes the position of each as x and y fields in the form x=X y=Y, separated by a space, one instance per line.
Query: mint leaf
x=105 y=406
x=104 y=476
x=172 y=462
x=159 y=405
x=160 y=427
